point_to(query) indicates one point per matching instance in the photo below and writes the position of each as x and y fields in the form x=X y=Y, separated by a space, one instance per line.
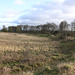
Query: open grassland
x=15 y=42
x=25 y=54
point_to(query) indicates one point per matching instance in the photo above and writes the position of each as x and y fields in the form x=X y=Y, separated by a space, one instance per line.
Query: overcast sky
x=13 y=12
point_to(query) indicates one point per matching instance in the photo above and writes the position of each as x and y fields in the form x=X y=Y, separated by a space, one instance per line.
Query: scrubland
x=25 y=54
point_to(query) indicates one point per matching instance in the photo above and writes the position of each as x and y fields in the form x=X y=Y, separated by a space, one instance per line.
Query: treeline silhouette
x=63 y=29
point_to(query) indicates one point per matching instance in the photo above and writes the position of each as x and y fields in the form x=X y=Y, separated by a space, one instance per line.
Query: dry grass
x=7 y=71
x=14 y=42
x=36 y=52
x=67 y=68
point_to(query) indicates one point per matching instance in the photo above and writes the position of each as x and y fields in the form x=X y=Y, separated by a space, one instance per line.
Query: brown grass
x=14 y=42
x=29 y=51
x=67 y=68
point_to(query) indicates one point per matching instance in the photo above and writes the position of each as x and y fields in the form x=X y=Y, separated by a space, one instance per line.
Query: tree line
x=63 y=29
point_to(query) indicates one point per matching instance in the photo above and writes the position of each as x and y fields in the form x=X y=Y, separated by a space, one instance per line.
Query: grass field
x=26 y=54
x=14 y=42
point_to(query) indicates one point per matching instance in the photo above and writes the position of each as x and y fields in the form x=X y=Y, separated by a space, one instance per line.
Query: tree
x=25 y=27
x=39 y=27
x=54 y=27
x=33 y=28
x=63 y=28
x=12 y=29
x=18 y=29
x=73 y=27
x=4 y=29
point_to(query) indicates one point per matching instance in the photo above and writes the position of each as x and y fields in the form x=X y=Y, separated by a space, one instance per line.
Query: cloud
x=19 y=2
x=10 y=14
x=49 y=11
x=45 y=11
x=8 y=17
x=69 y=2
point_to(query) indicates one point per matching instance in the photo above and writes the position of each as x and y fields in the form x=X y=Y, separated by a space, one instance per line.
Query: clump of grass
x=67 y=68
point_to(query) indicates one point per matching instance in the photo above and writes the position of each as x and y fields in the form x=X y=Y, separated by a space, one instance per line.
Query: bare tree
x=73 y=27
x=39 y=27
x=25 y=27
x=63 y=28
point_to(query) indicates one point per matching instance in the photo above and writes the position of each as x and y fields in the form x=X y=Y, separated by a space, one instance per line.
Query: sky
x=35 y=12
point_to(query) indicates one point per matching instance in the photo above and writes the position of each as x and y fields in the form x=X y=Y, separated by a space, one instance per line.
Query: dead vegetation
x=14 y=42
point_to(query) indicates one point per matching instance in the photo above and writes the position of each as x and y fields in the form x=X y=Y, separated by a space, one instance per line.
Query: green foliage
x=4 y=30
x=18 y=29
x=11 y=29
